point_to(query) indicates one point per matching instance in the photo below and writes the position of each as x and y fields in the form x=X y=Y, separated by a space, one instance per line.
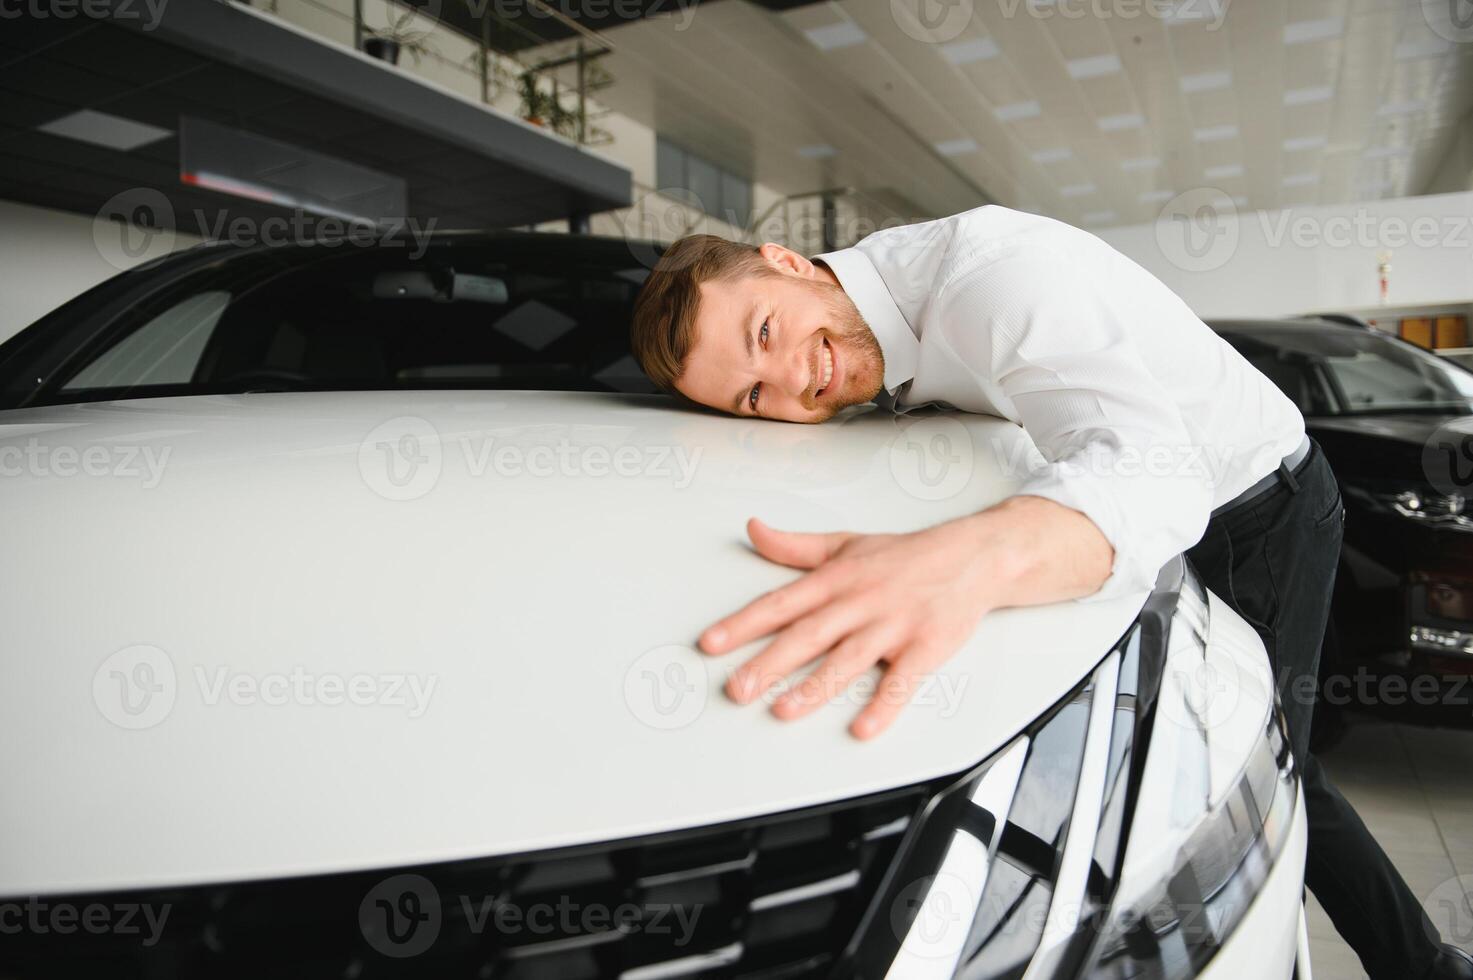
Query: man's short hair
x=663 y=329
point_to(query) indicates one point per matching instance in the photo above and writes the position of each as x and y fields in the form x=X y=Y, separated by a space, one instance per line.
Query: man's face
x=789 y=346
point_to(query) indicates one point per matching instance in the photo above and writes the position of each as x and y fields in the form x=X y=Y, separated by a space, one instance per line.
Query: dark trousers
x=1273 y=560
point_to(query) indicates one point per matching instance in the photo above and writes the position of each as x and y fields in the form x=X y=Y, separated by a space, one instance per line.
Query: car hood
x=277 y=634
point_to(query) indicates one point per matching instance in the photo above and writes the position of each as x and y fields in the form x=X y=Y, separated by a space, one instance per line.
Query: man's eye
x=762 y=334
x=752 y=398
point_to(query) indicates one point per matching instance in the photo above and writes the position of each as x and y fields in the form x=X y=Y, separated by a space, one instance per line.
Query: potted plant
x=399 y=35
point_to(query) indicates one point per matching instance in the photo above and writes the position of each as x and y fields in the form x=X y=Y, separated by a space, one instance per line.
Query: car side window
x=164 y=351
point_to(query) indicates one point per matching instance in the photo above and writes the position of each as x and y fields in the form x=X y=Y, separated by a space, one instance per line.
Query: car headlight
x=1425 y=506
x=1120 y=835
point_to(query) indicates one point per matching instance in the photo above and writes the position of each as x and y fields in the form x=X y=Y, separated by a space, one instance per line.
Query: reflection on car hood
x=262 y=635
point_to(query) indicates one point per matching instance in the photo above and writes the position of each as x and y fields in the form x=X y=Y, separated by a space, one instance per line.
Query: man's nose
x=796 y=373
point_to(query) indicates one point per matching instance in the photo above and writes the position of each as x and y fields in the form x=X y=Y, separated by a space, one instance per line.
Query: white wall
x=47 y=257
x=1307 y=259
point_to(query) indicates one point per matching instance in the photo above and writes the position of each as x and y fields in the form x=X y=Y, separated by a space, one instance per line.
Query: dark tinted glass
x=504 y=315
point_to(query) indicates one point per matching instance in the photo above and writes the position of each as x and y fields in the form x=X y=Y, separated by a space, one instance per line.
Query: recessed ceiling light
x=1213 y=134
x=1224 y=170
x=1301 y=180
x=1077 y=190
x=951 y=148
x=1100 y=64
x=1140 y=163
x=1156 y=197
x=1240 y=202
x=1017 y=110
x=1206 y=82
x=968 y=51
x=1129 y=120
x=839 y=35
x=816 y=151
x=1400 y=108
x=1308 y=96
x=1053 y=156
x=105 y=129
x=1304 y=31
x=1304 y=143
x=1099 y=217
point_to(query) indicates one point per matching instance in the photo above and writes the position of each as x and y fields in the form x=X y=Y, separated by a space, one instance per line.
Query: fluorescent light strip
x=830 y=37
x=1112 y=124
x=1306 y=31
x=1213 y=134
x=1017 y=110
x=969 y=51
x=1103 y=64
x=1053 y=156
x=1206 y=82
x=1308 y=96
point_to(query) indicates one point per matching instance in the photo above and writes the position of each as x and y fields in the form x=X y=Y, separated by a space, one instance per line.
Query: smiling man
x=1017 y=316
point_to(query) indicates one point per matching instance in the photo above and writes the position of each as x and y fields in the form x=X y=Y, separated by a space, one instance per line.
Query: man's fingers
x=897 y=687
x=794 y=548
x=849 y=660
x=767 y=613
x=798 y=644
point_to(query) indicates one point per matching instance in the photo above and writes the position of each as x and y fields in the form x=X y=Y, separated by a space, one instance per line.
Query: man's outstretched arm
x=909 y=600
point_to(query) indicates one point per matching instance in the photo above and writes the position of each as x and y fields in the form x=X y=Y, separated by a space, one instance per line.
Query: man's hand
x=907 y=600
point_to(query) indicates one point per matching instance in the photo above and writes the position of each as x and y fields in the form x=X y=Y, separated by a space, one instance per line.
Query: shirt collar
x=864 y=285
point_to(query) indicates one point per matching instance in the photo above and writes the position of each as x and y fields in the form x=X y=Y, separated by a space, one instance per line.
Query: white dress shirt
x=1145 y=420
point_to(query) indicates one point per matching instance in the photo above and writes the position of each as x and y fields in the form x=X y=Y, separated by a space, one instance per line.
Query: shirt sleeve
x=1061 y=345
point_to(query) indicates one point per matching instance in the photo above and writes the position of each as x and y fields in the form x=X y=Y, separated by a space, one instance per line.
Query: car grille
x=779 y=896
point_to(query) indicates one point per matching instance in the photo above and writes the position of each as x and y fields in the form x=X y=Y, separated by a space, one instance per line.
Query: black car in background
x=1396 y=424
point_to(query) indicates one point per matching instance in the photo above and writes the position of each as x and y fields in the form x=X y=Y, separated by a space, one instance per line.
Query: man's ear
x=786 y=260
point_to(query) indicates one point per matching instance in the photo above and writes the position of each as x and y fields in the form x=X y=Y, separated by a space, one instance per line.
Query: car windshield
x=529 y=312
x=1346 y=371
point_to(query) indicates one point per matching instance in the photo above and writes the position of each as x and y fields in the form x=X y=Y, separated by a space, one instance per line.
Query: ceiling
x=1095 y=119
x=464 y=164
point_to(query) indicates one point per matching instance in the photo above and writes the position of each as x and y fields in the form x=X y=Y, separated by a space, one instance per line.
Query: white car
x=349 y=597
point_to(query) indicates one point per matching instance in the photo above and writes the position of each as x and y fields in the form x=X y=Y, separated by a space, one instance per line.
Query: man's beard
x=864 y=362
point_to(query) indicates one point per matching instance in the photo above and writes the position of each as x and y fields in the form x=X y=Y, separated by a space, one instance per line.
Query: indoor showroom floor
x=1413 y=786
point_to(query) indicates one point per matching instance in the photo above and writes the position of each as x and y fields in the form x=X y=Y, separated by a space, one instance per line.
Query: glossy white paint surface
x=540 y=614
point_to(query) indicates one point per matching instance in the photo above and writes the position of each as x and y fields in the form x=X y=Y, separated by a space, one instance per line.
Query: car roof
x=1291 y=325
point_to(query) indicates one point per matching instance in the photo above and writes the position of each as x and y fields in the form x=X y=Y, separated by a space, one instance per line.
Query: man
x=1018 y=316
